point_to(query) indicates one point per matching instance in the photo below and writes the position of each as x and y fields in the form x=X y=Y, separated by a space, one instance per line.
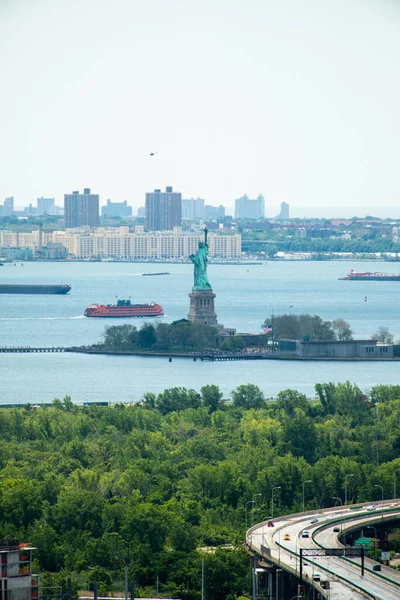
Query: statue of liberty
x=200 y=265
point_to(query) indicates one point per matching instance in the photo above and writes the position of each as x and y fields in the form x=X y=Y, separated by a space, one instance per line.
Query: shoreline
x=228 y=357
x=201 y=357
x=292 y=257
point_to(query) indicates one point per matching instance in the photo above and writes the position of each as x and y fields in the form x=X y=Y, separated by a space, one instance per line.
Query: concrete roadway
x=286 y=553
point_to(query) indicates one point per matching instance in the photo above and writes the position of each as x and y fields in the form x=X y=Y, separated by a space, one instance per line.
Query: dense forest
x=156 y=482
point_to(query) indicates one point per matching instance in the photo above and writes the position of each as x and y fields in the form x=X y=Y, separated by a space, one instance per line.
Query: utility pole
x=376 y=433
x=202 y=579
x=126 y=581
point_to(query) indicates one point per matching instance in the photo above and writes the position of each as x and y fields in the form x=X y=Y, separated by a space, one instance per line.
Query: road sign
x=362 y=544
x=385 y=555
x=347 y=551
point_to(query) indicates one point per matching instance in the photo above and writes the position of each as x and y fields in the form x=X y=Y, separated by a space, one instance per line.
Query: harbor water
x=246 y=295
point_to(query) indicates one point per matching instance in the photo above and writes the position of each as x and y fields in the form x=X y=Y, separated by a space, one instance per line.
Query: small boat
x=151 y=274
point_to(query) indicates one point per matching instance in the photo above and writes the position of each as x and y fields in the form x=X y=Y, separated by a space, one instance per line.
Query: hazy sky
x=295 y=99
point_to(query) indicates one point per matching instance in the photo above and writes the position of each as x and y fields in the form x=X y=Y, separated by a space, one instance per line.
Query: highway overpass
x=289 y=554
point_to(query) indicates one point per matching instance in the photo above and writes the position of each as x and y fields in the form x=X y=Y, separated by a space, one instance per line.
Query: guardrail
x=352 y=518
x=306 y=578
x=268 y=556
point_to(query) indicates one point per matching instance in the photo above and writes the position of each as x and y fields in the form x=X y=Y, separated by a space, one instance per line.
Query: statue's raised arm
x=200 y=266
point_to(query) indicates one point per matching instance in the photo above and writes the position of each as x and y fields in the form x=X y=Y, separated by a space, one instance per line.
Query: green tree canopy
x=342 y=330
x=297 y=327
x=248 y=396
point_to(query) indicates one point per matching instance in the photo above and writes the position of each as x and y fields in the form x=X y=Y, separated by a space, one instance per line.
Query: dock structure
x=225 y=357
x=84 y=349
x=26 y=349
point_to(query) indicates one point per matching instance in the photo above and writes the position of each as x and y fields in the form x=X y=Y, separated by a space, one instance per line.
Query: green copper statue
x=200 y=265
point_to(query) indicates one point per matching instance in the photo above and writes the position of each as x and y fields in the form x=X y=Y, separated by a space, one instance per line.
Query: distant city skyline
x=303 y=108
x=272 y=210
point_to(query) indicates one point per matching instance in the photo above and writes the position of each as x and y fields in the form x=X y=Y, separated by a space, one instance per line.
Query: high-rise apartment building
x=284 y=214
x=116 y=209
x=163 y=210
x=81 y=209
x=246 y=208
x=193 y=209
x=214 y=212
x=7 y=209
x=45 y=206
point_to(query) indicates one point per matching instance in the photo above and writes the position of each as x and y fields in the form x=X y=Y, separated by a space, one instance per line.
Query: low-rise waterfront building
x=349 y=349
x=16 y=253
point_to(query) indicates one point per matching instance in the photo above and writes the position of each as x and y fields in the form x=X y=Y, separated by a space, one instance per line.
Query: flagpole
x=272 y=325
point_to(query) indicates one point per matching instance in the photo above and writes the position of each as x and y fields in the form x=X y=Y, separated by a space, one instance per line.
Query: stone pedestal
x=202 y=307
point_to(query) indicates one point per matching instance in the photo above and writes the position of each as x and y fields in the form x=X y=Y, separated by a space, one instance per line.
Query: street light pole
x=304 y=483
x=341 y=511
x=394 y=481
x=376 y=434
x=245 y=513
x=379 y=486
x=254 y=508
x=277 y=487
x=345 y=487
x=376 y=536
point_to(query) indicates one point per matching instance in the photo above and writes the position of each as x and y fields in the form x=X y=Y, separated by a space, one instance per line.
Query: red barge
x=368 y=276
x=124 y=308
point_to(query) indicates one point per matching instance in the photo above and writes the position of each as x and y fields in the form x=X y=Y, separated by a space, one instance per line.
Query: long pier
x=26 y=349
x=89 y=350
x=225 y=357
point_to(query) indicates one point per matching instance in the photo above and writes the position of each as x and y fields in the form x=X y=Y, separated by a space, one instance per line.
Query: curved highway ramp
x=310 y=547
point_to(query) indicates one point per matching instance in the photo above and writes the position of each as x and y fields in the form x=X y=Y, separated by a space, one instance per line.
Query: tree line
x=187 y=337
x=313 y=327
x=158 y=480
x=179 y=336
x=271 y=244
